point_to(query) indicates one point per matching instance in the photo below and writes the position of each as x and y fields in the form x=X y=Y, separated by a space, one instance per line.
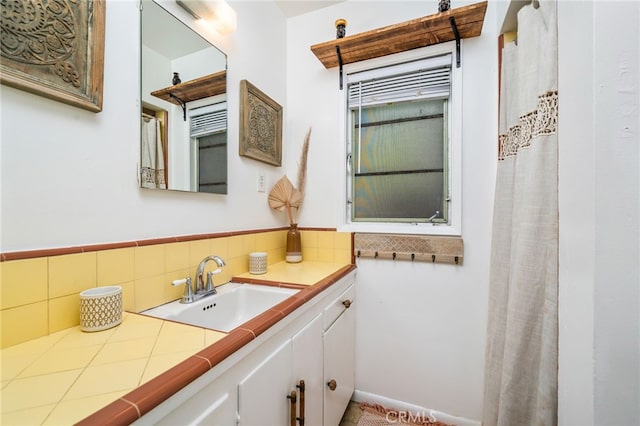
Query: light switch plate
x=261 y=183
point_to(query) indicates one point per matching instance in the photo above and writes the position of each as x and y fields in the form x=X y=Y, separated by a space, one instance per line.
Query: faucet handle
x=187 y=297
x=210 y=274
x=176 y=283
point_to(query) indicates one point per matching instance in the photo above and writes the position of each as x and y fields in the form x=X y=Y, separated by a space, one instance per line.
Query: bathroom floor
x=351 y=415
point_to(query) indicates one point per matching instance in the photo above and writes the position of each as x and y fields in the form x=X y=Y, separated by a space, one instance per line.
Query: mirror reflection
x=183 y=142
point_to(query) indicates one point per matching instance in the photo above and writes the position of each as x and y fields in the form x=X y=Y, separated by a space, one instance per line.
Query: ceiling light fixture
x=216 y=12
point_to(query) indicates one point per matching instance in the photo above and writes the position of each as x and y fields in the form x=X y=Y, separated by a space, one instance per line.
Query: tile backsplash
x=40 y=295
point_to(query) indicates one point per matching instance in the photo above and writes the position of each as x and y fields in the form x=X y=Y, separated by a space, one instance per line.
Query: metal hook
x=358 y=253
x=376 y=255
x=394 y=255
x=456 y=259
x=413 y=256
x=433 y=258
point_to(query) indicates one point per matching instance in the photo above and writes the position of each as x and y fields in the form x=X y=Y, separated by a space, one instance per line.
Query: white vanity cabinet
x=339 y=356
x=313 y=344
x=287 y=384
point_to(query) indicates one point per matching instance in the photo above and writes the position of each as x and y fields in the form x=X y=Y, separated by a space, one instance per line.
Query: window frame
x=454 y=149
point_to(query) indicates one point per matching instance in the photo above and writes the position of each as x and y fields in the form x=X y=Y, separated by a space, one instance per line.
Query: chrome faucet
x=200 y=286
x=201 y=289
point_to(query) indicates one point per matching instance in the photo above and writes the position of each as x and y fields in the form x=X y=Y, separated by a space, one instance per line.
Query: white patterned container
x=100 y=308
x=257 y=263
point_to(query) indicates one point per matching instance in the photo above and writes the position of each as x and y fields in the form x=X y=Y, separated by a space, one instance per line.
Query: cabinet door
x=307 y=366
x=262 y=394
x=339 y=366
x=210 y=406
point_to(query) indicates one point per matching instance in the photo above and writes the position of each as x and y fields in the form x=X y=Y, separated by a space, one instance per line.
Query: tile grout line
x=146 y=365
x=84 y=369
x=133 y=404
x=206 y=359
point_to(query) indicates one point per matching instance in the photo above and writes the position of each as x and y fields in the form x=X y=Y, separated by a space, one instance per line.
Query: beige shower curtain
x=522 y=340
x=152 y=154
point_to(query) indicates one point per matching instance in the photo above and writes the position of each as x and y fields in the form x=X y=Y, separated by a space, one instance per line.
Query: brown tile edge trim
x=143 y=399
x=149 y=394
x=119 y=412
x=30 y=254
x=269 y=283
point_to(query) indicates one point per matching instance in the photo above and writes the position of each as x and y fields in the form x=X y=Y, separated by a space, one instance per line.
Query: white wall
x=69 y=176
x=599 y=200
x=576 y=219
x=617 y=186
x=420 y=327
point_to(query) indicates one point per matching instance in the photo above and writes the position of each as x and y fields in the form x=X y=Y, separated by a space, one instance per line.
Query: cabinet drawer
x=339 y=305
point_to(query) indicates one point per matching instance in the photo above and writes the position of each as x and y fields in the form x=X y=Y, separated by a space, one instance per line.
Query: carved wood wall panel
x=54 y=48
x=260 y=125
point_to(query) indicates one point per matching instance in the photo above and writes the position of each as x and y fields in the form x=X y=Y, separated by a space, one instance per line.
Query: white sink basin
x=233 y=305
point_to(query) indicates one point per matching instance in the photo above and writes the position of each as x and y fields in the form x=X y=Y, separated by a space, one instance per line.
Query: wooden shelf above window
x=420 y=32
x=192 y=90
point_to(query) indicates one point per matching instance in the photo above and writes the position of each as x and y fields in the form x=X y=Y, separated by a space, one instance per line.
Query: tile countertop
x=121 y=373
x=282 y=273
x=65 y=376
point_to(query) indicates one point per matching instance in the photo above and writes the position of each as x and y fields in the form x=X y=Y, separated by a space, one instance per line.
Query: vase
x=341 y=28
x=294 y=245
x=444 y=5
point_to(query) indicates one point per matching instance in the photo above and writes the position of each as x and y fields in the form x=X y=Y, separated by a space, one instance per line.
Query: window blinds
x=425 y=79
x=208 y=120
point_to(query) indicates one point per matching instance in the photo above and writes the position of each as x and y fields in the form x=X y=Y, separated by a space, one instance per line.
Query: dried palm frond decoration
x=284 y=196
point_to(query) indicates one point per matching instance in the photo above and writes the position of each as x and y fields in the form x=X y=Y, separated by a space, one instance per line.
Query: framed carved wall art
x=260 y=125
x=54 y=49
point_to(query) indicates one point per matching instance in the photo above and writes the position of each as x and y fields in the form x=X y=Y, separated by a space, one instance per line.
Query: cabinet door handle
x=347 y=303
x=332 y=384
x=292 y=397
x=301 y=387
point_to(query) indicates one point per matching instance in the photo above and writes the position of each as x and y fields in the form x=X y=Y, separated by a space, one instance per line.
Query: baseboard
x=411 y=409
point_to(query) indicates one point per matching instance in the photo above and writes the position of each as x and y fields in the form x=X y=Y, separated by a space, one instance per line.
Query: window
x=208 y=132
x=400 y=153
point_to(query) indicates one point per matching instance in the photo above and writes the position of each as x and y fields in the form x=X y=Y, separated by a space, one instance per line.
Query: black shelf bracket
x=183 y=105
x=339 y=64
x=456 y=34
